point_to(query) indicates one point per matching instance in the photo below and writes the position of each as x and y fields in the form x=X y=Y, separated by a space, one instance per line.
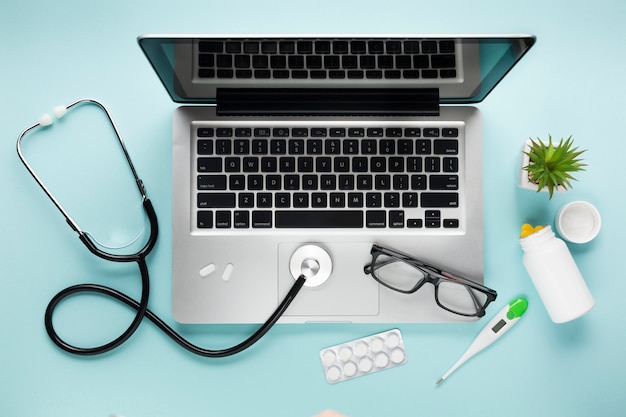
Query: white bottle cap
x=578 y=222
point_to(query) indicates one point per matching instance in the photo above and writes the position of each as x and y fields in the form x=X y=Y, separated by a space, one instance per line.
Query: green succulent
x=551 y=165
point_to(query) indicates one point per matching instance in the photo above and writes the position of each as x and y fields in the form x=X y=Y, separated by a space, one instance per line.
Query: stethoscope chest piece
x=313 y=262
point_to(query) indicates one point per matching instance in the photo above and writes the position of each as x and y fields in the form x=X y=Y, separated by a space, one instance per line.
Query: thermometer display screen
x=499 y=325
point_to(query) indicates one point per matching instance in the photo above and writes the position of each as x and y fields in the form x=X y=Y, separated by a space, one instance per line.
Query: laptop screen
x=462 y=69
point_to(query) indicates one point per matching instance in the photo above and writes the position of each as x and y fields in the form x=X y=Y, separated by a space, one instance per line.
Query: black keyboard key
x=209 y=164
x=300 y=132
x=204 y=219
x=259 y=146
x=211 y=46
x=216 y=200
x=375 y=132
x=246 y=200
x=446 y=147
x=223 y=132
x=450 y=164
x=376 y=47
x=260 y=61
x=241 y=146
x=331 y=62
x=418 y=182
x=447 y=73
x=358 y=47
x=262 y=219
x=242 y=61
x=205 y=132
x=432 y=164
x=432 y=200
x=205 y=147
x=444 y=182
x=376 y=219
x=411 y=47
x=241 y=219
x=340 y=47
x=296 y=62
x=374 y=74
x=319 y=132
x=394 y=47
x=446 y=47
x=431 y=132
x=287 y=47
x=222 y=219
x=396 y=218
x=385 y=62
x=282 y=200
x=278 y=146
x=319 y=200
x=451 y=223
x=324 y=219
x=443 y=61
x=211 y=182
x=243 y=132
x=337 y=132
x=450 y=132
x=269 y=47
x=322 y=47
x=305 y=47
x=356 y=132
x=251 y=47
x=429 y=47
x=262 y=74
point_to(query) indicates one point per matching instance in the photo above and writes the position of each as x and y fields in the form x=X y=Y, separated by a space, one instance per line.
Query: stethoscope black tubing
x=143 y=311
x=142 y=305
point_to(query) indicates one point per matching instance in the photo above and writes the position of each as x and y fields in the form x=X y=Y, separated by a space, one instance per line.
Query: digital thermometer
x=499 y=325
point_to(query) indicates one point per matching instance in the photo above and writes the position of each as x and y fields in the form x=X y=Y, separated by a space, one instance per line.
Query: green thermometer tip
x=517 y=308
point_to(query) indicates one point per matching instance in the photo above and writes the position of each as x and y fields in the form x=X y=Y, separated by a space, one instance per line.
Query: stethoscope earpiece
x=47 y=120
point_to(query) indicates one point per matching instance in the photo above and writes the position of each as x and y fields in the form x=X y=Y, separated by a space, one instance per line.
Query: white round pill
x=393 y=340
x=381 y=360
x=345 y=353
x=349 y=369
x=377 y=344
x=365 y=365
x=397 y=355
x=333 y=373
x=361 y=349
x=329 y=357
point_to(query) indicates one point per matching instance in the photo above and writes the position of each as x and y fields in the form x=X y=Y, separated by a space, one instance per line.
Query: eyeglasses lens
x=460 y=298
x=396 y=273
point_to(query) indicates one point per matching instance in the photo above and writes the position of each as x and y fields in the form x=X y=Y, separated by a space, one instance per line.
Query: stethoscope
x=140 y=258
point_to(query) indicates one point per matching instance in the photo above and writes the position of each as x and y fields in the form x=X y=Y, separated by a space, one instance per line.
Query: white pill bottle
x=555 y=275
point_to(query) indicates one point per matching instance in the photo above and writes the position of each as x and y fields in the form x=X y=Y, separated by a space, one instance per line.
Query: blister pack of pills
x=363 y=356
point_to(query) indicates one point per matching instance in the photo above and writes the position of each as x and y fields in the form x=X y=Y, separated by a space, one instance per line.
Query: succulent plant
x=551 y=165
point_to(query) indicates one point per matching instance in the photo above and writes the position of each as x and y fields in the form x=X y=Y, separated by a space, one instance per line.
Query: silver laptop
x=291 y=148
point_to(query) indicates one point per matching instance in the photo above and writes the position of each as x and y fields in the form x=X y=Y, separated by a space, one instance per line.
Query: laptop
x=295 y=148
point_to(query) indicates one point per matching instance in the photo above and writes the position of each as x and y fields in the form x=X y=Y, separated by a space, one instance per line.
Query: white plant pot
x=523 y=181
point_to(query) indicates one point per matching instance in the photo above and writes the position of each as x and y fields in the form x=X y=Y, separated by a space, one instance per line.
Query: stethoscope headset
x=139 y=258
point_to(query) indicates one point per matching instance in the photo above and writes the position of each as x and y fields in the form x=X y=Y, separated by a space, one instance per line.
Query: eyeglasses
x=402 y=273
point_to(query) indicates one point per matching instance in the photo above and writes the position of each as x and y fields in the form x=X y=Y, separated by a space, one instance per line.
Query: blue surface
x=56 y=52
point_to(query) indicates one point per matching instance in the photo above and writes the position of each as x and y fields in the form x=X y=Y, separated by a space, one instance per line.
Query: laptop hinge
x=328 y=101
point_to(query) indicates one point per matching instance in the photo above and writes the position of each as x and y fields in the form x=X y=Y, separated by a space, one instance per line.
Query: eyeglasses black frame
x=432 y=275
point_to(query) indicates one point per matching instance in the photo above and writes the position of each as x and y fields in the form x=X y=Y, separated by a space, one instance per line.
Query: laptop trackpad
x=348 y=291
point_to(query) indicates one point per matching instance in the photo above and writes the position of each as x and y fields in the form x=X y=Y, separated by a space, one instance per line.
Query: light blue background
x=571 y=82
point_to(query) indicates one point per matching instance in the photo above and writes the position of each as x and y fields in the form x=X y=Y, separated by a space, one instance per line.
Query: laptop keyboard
x=348 y=177
x=326 y=59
